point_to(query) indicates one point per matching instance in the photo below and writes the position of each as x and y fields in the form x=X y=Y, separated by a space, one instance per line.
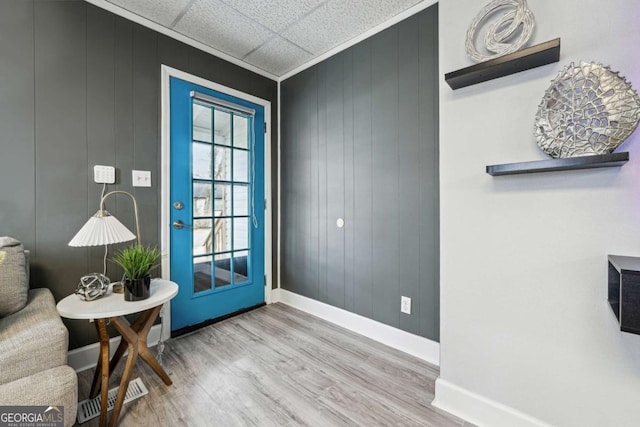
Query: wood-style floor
x=277 y=366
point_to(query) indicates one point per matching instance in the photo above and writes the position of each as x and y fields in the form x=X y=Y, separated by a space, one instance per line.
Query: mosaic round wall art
x=587 y=110
x=507 y=33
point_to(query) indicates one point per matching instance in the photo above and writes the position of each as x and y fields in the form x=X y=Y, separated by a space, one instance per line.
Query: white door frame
x=165 y=199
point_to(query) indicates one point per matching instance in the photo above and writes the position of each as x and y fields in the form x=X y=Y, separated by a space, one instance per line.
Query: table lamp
x=105 y=229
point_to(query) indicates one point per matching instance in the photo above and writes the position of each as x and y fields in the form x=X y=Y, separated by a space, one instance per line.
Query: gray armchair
x=33 y=340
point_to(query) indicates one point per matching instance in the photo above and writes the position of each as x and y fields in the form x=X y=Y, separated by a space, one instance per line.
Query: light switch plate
x=405 y=305
x=141 y=178
x=104 y=174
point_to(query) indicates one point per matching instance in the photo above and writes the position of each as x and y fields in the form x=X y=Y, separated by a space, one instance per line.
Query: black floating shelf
x=585 y=162
x=525 y=59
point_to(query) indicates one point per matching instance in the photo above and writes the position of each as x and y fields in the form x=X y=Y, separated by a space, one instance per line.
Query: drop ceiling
x=276 y=36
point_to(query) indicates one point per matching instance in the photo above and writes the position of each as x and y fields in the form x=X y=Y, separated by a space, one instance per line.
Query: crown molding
x=419 y=7
x=103 y=4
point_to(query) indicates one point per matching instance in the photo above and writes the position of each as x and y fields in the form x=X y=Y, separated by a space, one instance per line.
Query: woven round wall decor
x=507 y=34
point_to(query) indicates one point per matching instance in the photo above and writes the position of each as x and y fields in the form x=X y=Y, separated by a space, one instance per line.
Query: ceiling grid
x=276 y=36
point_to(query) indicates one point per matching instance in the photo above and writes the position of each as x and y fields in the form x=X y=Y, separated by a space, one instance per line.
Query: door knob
x=179 y=225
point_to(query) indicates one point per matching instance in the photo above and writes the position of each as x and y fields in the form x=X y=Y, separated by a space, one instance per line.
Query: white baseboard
x=86 y=357
x=414 y=345
x=478 y=409
x=275 y=293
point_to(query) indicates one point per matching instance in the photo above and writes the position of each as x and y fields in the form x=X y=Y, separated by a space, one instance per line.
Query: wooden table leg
x=130 y=336
x=102 y=371
x=144 y=351
x=134 y=338
x=95 y=384
x=136 y=326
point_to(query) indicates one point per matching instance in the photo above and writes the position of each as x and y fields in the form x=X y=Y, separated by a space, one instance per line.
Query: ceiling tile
x=218 y=25
x=275 y=35
x=338 y=21
x=274 y=14
x=278 y=56
x=163 y=12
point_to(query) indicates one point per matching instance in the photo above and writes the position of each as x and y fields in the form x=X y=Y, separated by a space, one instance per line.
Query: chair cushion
x=52 y=387
x=33 y=339
x=14 y=286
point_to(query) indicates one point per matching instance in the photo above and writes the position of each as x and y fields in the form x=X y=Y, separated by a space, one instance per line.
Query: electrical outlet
x=141 y=178
x=405 y=305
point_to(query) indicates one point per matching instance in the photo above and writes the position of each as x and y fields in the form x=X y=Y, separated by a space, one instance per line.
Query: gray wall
x=80 y=86
x=360 y=141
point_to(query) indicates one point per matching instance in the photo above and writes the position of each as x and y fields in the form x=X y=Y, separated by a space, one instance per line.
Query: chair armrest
x=27 y=264
x=53 y=387
x=32 y=340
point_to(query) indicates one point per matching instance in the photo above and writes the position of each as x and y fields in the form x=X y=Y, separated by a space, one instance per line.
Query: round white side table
x=112 y=307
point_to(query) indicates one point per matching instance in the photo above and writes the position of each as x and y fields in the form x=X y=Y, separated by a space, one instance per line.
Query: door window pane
x=202 y=237
x=241 y=165
x=240 y=131
x=201 y=199
x=201 y=161
x=222 y=162
x=222 y=235
x=240 y=200
x=201 y=123
x=223 y=270
x=202 y=241
x=222 y=127
x=241 y=266
x=201 y=274
x=240 y=233
x=223 y=200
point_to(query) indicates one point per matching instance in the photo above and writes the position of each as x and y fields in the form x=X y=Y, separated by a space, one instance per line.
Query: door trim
x=165 y=168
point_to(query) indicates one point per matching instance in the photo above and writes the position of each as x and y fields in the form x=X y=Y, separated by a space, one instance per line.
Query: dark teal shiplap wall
x=80 y=86
x=360 y=142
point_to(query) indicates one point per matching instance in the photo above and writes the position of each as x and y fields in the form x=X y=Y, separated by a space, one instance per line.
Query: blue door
x=217 y=208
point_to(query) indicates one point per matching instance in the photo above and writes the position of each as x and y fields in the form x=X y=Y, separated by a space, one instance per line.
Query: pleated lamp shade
x=102 y=229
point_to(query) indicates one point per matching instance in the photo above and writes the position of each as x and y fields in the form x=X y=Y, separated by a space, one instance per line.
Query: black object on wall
x=81 y=86
x=554 y=165
x=360 y=142
x=624 y=291
x=516 y=62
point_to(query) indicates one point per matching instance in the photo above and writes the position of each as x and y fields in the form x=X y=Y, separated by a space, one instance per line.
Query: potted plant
x=137 y=262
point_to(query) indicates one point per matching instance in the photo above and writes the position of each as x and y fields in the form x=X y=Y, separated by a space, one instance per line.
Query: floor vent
x=90 y=408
